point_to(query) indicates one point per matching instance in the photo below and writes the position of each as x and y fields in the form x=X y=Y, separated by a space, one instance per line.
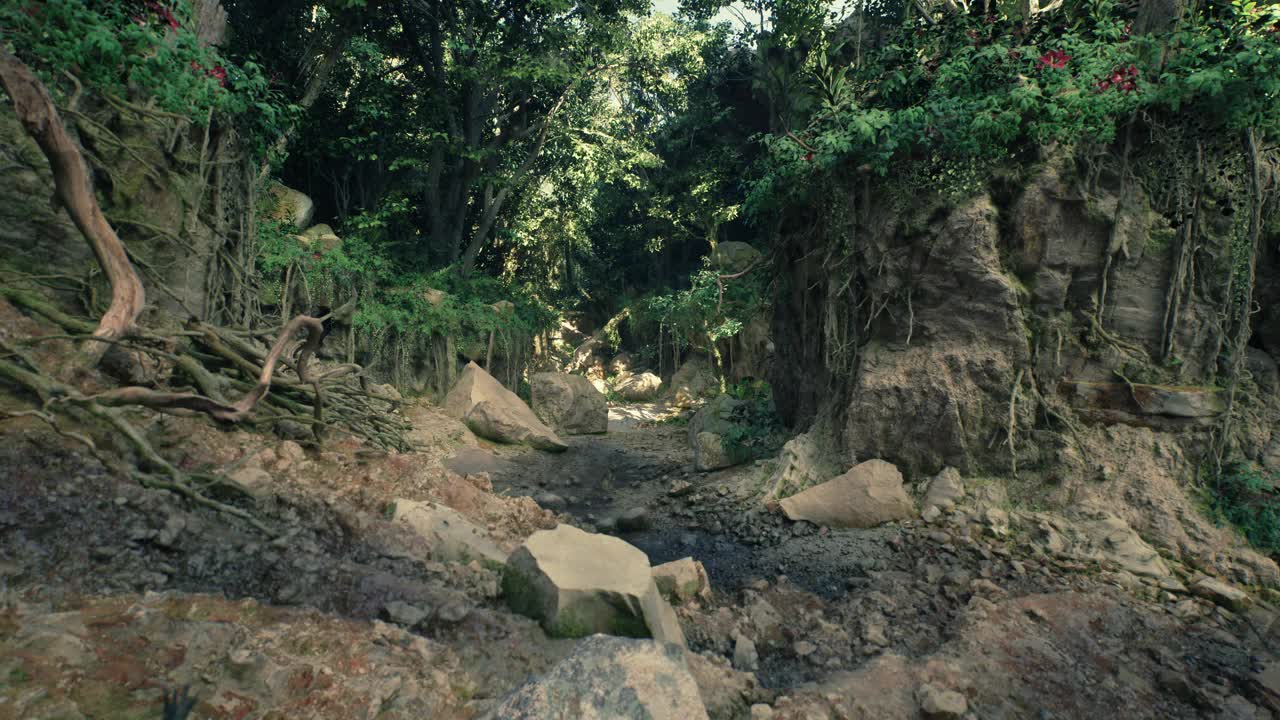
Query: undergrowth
x=1244 y=496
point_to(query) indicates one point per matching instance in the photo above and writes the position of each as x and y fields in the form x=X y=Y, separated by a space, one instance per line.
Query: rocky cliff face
x=1060 y=333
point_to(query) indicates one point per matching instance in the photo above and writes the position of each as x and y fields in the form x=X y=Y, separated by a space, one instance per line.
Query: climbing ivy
x=975 y=89
x=126 y=50
x=1244 y=496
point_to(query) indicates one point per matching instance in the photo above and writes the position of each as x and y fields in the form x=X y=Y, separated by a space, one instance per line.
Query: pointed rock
x=870 y=494
x=496 y=413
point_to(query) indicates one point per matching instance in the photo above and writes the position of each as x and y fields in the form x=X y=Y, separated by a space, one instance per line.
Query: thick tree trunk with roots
x=74 y=189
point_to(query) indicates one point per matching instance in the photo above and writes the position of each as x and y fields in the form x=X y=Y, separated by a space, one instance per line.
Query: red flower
x=1122 y=79
x=808 y=157
x=1055 y=59
x=159 y=12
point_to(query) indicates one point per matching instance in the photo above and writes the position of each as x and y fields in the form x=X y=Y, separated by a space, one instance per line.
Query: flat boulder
x=494 y=412
x=639 y=387
x=569 y=403
x=578 y=583
x=609 y=678
x=870 y=494
x=452 y=537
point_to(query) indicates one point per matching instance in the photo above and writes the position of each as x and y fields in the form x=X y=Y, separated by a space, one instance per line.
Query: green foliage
x=395 y=299
x=756 y=432
x=120 y=48
x=977 y=89
x=711 y=310
x=1246 y=498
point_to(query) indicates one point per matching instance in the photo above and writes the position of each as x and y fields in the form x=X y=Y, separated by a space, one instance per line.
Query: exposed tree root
x=39 y=116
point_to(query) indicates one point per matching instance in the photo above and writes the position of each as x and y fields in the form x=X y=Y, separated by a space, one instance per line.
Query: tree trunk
x=74 y=189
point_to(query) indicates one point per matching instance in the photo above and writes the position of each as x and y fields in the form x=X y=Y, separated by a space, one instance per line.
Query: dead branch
x=157 y=400
x=72 y=184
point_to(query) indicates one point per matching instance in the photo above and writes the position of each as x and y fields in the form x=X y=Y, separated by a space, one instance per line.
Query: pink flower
x=1055 y=59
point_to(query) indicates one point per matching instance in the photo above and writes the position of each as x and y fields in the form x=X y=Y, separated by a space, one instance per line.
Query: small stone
x=876 y=634
x=680 y=488
x=402 y=613
x=804 y=648
x=551 y=501
x=760 y=711
x=173 y=527
x=454 y=612
x=634 y=519
x=745 y=656
x=940 y=704
x=931 y=514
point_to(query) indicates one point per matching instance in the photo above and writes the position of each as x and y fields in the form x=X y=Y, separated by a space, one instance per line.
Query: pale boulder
x=291 y=206
x=946 y=489
x=578 y=583
x=569 y=403
x=452 y=536
x=639 y=387
x=496 y=413
x=321 y=238
x=692 y=381
x=609 y=678
x=870 y=494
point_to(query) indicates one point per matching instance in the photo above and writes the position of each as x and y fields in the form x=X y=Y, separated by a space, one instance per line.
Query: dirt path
x=638 y=482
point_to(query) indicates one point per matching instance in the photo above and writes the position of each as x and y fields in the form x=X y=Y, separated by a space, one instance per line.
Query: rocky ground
x=113 y=592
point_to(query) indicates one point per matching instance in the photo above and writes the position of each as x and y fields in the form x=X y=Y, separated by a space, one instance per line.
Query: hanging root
x=39 y=116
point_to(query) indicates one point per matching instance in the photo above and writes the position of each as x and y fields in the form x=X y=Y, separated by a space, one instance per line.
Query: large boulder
x=639 y=387
x=291 y=206
x=569 y=403
x=692 y=381
x=609 y=678
x=452 y=536
x=496 y=413
x=733 y=256
x=870 y=494
x=578 y=583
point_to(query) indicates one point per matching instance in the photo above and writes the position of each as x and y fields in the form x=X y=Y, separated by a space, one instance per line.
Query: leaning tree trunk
x=74 y=189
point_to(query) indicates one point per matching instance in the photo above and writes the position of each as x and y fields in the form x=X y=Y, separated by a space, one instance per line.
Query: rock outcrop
x=609 y=678
x=578 y=583
x=801 y=464
x=494 y=412
x=569 y=403
x=870 y=494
